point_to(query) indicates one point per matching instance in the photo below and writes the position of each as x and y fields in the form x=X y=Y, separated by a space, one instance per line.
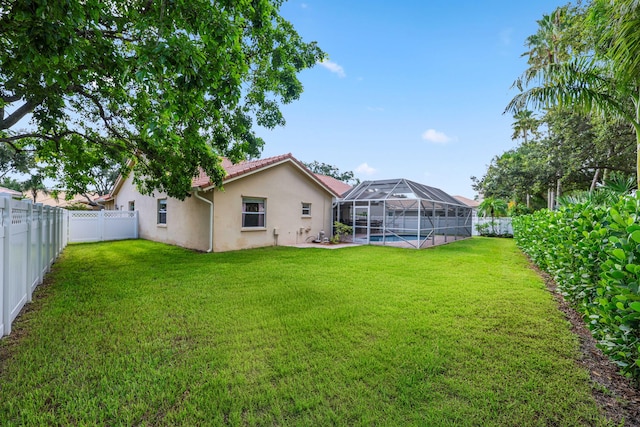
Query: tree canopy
x=174 y=84
x=593 y=70
x=582 y=81
x=333 y=171
x=575 y=153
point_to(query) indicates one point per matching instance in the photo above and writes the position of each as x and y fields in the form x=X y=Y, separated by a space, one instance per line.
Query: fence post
x=56 y=232
x=30 y=273
x=47 y=237
x=135 y=214
x=101 y=225
x=39 y=240
x=3 y=261
x=6 y=262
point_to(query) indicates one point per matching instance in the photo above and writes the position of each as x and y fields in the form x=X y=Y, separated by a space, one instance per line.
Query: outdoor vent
x=276 y=231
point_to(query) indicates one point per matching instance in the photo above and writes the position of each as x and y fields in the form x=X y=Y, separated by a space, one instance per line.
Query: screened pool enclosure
x=399 y=212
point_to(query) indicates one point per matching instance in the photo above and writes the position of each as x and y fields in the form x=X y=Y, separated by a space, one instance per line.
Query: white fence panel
x=502 y=225
x=97 y=226
x=119 y=225
x=31 y=238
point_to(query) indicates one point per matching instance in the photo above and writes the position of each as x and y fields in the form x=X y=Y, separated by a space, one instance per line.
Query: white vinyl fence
x=97 y=226
x=31 y=238
x=501 y=226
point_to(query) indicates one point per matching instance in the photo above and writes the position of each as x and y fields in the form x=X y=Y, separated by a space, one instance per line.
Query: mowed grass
x=140 y=333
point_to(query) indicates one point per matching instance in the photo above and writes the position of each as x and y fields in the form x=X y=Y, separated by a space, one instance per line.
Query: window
x=306 y=209
x=253 y=213
x=162 y=211
x=132 y=205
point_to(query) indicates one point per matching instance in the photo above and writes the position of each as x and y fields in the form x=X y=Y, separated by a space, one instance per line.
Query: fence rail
x=31 y=238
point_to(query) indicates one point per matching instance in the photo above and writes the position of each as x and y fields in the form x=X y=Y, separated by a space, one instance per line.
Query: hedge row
x=593 y=254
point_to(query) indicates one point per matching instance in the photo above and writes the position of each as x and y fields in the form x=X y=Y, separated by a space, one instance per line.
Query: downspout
x=210 y=203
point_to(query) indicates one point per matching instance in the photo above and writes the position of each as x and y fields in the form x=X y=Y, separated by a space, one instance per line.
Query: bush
x=340 y=230
x=593 y=254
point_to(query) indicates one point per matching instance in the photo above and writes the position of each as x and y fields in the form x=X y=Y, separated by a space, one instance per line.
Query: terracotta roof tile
x=10 y=191
x=336 y=185
x=467 y=201
x=242 y=168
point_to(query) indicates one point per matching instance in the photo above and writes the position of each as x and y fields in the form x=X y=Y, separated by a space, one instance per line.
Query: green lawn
x=139 y=333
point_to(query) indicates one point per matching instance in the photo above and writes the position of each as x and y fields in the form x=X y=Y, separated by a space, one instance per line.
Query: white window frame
x=246 y=214
x=306 y=209
x=162 y=211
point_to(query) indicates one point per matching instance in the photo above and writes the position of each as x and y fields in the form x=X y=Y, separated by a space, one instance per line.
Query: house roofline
x=284 y=159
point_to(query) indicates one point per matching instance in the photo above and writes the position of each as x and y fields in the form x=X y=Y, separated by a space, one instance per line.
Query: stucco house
x=266 y=202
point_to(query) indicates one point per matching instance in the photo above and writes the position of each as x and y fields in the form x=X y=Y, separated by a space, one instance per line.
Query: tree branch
x=103 y=115
x=15 y=117
x=10 y=98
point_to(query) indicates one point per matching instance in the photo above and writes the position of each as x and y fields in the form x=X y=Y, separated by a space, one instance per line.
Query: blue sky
x=413 y=89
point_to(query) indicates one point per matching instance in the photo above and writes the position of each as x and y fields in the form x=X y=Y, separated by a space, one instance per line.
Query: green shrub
x=339 y=230
x=593 y=254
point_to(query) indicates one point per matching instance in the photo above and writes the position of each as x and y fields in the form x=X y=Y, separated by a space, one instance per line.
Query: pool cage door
x=361 y=224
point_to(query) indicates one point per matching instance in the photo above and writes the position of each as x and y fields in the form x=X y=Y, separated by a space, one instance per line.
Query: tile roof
x=467 y=201
x=10 y=191
x=336 y=185
x=246 y=167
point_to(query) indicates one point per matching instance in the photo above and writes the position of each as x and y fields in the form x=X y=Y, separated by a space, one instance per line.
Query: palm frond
x=580 y=84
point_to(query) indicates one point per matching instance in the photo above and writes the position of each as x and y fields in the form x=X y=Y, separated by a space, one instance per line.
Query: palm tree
x=607 y=83
x=492 y=207
x=33 y=185
x=525 y=123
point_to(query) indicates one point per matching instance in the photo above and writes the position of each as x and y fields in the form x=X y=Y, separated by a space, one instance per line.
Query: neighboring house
x=266 y=202
x=14 y=194
x=59 y=199
x=467 y=201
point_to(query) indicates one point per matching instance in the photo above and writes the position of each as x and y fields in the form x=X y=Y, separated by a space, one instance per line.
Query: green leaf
x=635 y=305
x=636 y=236
x=619 y=253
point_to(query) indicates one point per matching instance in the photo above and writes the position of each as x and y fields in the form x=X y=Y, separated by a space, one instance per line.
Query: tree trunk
x=594 y=181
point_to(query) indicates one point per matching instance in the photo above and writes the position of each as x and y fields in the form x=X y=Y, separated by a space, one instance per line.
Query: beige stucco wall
x=285 y=187
x=187 y=221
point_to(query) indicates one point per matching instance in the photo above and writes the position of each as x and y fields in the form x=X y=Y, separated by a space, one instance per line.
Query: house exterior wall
x=284 y=188
x=186 y=221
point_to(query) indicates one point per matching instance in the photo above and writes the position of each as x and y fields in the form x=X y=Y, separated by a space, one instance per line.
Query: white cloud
x=365 y=169
x=432 y=135
x=333 y=67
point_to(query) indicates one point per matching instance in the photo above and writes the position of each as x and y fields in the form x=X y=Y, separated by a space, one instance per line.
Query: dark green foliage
x=333 y=171
x=173 y=84
x=593 y=253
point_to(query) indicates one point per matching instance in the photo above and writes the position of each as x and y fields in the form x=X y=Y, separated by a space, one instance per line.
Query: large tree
x=173 y=84
x=601 y=79
x=577 y=153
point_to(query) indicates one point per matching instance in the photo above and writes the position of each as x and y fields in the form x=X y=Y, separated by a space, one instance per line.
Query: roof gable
x=246 y=168
x=249 y=167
